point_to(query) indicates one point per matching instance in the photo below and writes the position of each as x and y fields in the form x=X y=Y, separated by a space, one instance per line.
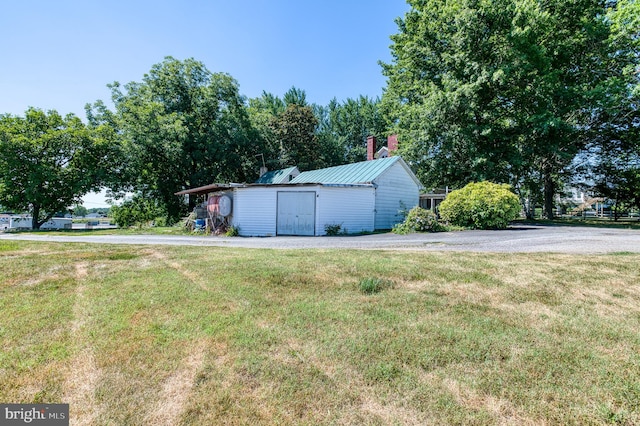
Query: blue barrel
x=200 y=223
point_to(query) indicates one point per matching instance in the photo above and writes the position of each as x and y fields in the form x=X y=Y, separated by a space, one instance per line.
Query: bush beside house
x=481 y=205
x=418 y=220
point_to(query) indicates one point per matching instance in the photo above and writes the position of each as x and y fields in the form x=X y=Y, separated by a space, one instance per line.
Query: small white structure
x=57 y=223
x=279 y=176
x=25 y=223
x=397 y=189
x=302 y=209
x=358 y=197
x=432 y=199
x=4 y=222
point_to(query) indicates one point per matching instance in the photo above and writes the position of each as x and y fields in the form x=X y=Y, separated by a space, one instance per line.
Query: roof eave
x=208 y=188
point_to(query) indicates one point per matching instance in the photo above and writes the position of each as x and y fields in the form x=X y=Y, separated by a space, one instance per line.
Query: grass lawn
x=202 y=336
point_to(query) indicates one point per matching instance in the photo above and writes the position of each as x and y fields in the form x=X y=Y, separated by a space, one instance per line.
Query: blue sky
x=61 y=54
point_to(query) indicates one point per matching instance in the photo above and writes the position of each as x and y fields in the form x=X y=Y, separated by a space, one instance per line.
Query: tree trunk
x=529 y=210
x=549 y=193
x=35 y=225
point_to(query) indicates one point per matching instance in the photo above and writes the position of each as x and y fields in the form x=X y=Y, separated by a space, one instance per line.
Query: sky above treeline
x=61 y=54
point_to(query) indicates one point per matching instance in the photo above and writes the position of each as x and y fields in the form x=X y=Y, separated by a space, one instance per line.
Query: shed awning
x=208 y=188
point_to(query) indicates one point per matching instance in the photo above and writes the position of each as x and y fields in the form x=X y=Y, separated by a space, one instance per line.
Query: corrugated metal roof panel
x=363 y=172
x=276 y=176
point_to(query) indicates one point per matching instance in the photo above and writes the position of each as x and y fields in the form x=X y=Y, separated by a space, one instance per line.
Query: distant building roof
x=362 y=172
x=382 y=152
x=279 y=176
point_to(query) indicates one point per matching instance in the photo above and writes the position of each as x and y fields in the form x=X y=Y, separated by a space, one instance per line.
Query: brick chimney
x=392 y=144
x=371 y=147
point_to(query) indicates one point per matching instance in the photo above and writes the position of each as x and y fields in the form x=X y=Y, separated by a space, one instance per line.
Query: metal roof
x=306 y=184
x=363 y=172
x=277 y=176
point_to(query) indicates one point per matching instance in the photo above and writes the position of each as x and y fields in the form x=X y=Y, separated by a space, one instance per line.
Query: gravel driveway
x=519 y=239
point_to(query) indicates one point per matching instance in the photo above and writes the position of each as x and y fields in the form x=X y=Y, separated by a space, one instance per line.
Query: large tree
x=262 y=112
x=501 y=90
x=295 y=132
x=337 y=135
x=48 y=162
x=184 y=126
x=612 y=159
x=290 y=130
x=351 y=122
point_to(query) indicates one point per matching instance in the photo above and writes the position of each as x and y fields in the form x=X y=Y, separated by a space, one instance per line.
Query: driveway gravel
x=516 y=239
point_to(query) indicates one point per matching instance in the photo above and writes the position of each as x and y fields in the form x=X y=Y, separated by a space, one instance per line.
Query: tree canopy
x=612 y=157
x=183 y=127
x=505 y=90
x=351 y=122
x=48 y=162
x=294 y=131
x=311 y=136
x=517 y=91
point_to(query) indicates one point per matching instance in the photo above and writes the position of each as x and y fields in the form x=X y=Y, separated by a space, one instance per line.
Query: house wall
x=254 y=211
x=350 y=207
x=255 y=208
x=396 y=191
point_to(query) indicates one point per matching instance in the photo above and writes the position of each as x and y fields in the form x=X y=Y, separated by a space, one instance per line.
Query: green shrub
x=333 y=229
x=481 y=205
x=374 y=285
x=232 y=231
x=161 y=222
x=136 y=211
x=418 y=220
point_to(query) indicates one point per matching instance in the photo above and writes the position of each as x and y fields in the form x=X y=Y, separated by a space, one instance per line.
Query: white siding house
x=359 y=197
x=351 y=207
x=304 y=209
x=252 y=208
x=397 y=189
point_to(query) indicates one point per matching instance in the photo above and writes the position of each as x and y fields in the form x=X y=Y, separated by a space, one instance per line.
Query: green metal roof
x=276 y=176
x=363 y=172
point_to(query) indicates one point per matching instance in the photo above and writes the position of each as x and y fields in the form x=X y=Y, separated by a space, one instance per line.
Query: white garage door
x=296 y=213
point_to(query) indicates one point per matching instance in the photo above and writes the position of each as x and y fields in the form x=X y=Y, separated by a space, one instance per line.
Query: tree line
x=537 y=94
x=182 y=126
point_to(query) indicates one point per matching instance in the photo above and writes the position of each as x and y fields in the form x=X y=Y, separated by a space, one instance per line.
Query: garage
x=296 y=213
x=354 y=198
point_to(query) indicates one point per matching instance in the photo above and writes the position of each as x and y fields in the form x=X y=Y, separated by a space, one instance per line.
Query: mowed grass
x=132 y=335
